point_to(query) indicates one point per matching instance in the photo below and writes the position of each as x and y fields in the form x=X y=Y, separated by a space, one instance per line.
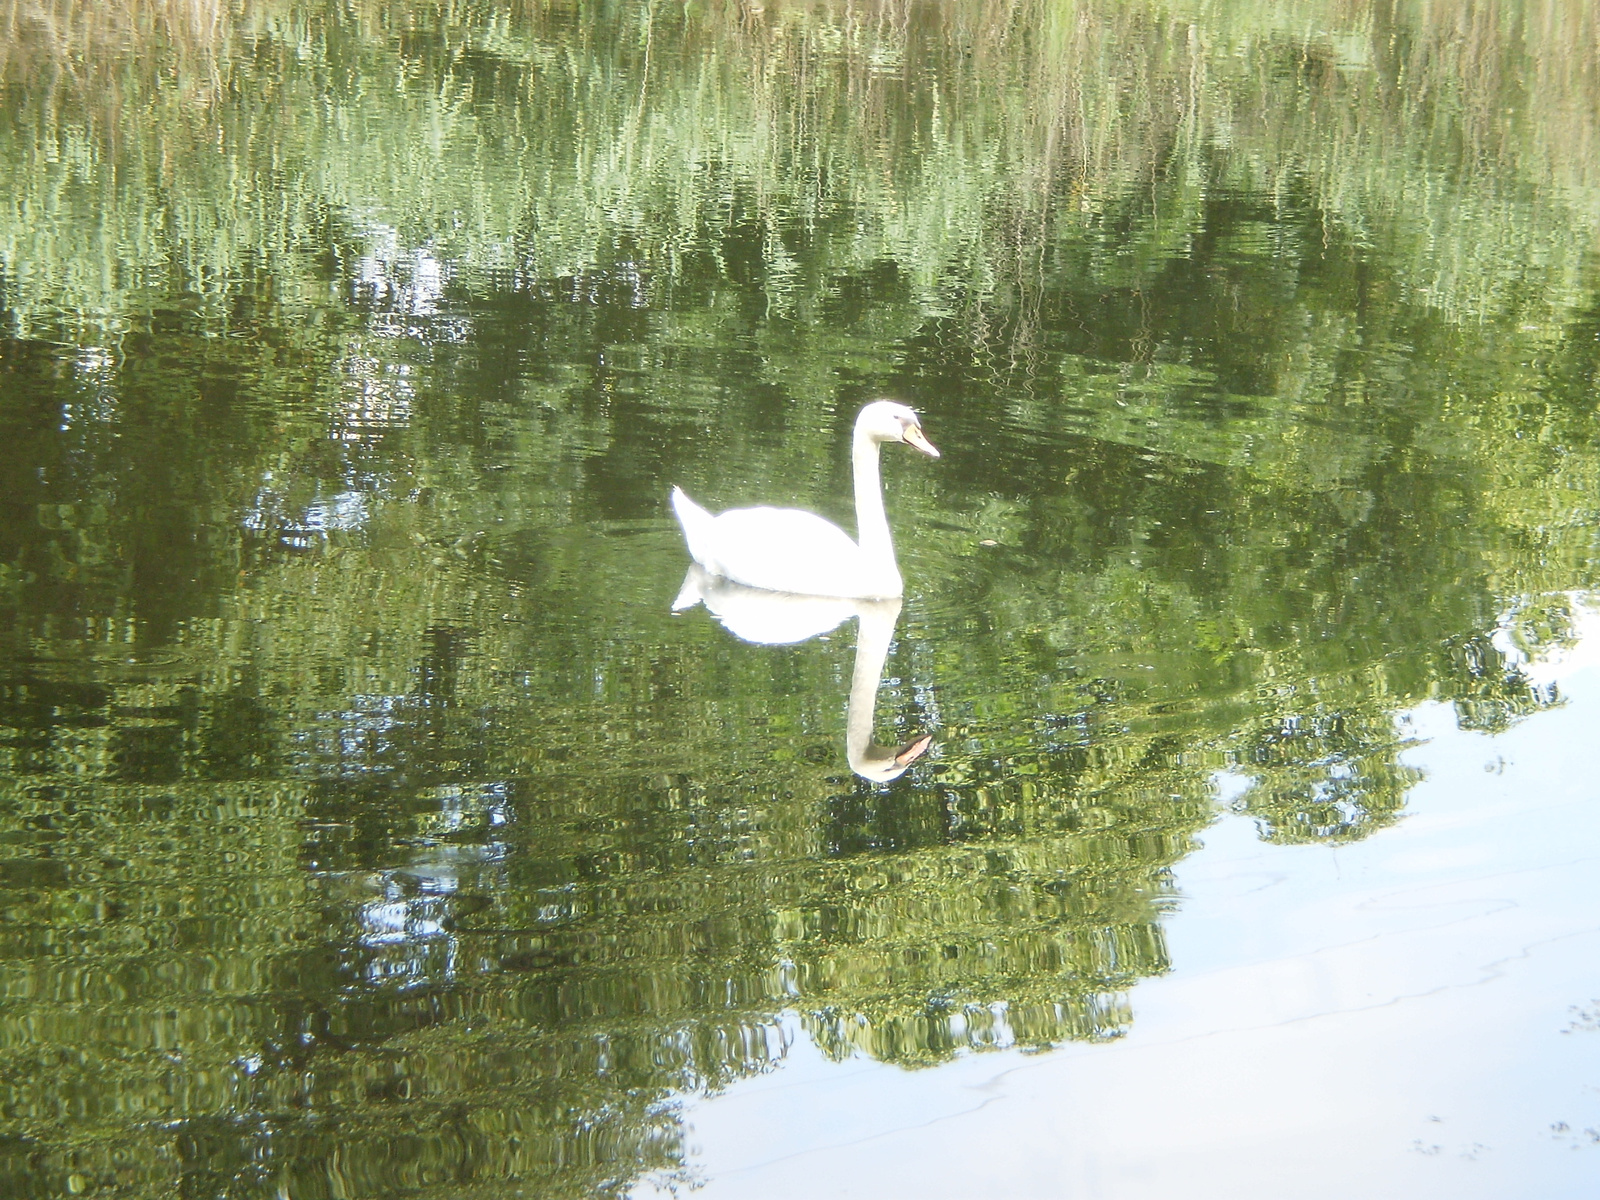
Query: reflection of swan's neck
x=873 y=634
x=872 y=525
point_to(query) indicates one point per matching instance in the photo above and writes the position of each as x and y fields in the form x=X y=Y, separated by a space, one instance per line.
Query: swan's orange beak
x=915 y=437
x=915 y=749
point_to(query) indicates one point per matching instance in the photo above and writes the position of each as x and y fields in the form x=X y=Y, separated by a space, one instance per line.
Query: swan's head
x=886 y=421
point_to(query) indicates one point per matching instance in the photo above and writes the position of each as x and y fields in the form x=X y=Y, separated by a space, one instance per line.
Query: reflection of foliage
x=1324 y=777
x=1492 y=692
x=370 y=821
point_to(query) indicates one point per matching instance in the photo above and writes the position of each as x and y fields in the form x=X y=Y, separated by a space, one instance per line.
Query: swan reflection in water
x=781 y=618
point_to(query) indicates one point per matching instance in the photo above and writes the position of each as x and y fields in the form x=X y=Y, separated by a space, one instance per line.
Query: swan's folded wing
x=785 y=550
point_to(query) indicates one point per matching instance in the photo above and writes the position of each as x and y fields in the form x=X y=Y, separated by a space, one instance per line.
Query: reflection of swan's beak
x=915 y=437
x=913 y=750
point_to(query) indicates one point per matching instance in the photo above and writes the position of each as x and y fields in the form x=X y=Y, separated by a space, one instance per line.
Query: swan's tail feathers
x=696 y=523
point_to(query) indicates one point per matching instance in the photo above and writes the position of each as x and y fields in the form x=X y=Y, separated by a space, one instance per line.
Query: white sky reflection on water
x=1414 y=1015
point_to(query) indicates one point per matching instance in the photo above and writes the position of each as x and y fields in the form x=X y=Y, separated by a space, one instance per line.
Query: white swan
x=789 y=550
x=777 y=618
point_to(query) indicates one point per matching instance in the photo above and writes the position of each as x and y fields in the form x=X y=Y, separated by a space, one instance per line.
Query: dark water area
x=369 y=823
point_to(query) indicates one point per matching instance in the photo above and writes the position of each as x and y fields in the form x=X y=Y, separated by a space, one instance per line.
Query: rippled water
x=373 y=827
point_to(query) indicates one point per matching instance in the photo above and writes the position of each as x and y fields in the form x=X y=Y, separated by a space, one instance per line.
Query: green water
x=371 y=827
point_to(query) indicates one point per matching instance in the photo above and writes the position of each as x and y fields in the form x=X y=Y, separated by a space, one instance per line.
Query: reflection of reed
x=974 y=134
x=777 y=618
x=87 y=38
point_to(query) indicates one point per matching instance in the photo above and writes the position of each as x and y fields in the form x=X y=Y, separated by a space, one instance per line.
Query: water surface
x=371 y=825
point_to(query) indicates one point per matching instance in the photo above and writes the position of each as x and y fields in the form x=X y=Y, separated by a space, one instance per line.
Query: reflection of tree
x=1492 y=692
x=1322 y=776
x=538 y=873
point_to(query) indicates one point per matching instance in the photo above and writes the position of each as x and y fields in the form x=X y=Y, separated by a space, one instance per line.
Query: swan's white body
x=789 y=550
x=775 y=618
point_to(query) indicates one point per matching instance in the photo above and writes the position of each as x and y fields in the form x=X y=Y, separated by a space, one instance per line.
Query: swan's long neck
x=874 y=632
x=872 y=523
